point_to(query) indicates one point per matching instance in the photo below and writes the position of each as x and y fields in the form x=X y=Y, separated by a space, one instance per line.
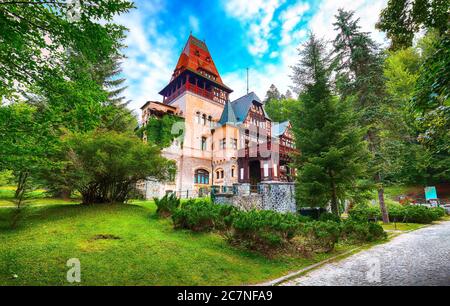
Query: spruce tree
x=332 y=150
x=272 y=94
x=360 y=79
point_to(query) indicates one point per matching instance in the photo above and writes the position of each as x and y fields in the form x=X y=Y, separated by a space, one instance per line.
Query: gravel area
x=417 y=258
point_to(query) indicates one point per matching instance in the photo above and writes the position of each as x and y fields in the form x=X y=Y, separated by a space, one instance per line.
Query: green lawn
x=401 y=226
x=36 y=197
x=149 y=251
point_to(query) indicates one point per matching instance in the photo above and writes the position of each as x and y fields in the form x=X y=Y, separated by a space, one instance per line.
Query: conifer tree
x=273 y=93
x=333 y=152
x=360 y=79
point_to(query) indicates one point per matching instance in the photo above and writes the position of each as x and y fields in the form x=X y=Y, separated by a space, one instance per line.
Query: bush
x=329 y=217
x=321 y=235
x=439 y=212
x=398 y=213
x=364 y=212
x=362 y=231
x=167 y=205
x=264 y=229
x=202 y=215
x=419 y=214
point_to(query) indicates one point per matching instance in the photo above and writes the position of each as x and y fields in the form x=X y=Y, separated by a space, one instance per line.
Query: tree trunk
x=334 y=202
x=384 y=212
x=20 y=191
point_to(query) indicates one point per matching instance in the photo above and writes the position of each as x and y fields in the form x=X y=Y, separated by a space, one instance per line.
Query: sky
x=263 y=35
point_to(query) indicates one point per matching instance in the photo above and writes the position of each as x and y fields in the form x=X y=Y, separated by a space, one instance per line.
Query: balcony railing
x=194 y=89
x=256 y=150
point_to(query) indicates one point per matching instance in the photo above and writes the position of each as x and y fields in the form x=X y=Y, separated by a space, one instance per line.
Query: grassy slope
x=149 y=252
x=36 y=197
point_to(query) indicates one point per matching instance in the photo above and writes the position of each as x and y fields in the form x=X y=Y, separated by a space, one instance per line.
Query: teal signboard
x=430 y=193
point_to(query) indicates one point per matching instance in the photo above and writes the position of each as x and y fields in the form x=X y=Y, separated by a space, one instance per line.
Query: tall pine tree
x=333 y=153
x=360 y=79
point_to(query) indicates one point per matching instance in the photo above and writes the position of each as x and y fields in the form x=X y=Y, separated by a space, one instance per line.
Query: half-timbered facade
x=224 y=142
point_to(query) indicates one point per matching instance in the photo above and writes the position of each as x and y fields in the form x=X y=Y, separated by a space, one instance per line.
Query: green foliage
x=431 y=101
x=398 y=213
x=321 y=235
x=35 y=37
x=362 y=231
x=329 y=217
x=411 y=161
x=162 y=131
x=167 y=205
x=6 y=177
x=402 y=19
x=264 y=229
x=202 y=215
x=333 y=153
x=105 y=165
x=280 y=110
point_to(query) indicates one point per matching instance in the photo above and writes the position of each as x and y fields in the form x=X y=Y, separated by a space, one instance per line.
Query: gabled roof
x=242 y=105
x=280 y=128
x=196 y=58
x=228 y=115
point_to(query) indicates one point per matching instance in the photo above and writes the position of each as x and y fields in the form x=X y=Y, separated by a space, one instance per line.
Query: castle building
x=223 y=142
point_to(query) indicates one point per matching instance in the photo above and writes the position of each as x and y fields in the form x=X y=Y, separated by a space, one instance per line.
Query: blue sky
x=260 y=34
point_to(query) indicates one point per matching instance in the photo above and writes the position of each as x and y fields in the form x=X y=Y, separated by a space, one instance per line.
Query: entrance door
x=255 y=174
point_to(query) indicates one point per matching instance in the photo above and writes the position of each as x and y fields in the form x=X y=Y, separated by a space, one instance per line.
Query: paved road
x=417 y=258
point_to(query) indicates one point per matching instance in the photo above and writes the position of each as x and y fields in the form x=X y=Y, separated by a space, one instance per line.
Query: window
x=219 y=174
x=234 y=143
x=201 y=177
x=210 y=122
x=204 y=119
x=223 y=143
x=203 y=145
x=232 y=171
x=197 y=117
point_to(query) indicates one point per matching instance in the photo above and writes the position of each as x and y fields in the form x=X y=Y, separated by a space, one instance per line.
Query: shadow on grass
x=13 y=219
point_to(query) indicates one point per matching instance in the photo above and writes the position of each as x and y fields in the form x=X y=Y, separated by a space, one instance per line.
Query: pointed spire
x=228 y=116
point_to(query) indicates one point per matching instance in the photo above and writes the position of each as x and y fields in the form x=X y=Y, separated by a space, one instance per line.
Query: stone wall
x=277 y=196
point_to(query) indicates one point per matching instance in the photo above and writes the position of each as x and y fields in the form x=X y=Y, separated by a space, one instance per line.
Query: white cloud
x=290 y=19
x=150 y=57
x=262 y=76
x=194 y=23
x=368 y=11
x=257 y=15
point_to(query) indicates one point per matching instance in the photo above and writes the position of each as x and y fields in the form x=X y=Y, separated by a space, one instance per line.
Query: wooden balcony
x=284 y=152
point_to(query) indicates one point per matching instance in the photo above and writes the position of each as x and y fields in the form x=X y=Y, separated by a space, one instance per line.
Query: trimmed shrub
x=362 y=231
x=364 y=212
x=263 y=229
x=419 y=214
x=329 y=217
x=439 y=212
x=321 y=235
x=202 y=215
x=167 y=205
x=398 y=213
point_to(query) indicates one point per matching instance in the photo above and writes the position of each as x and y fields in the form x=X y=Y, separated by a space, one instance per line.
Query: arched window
x=204 y=119
x=219 y=174
x=197 y=117
x=201 y=177
x=232 y=171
